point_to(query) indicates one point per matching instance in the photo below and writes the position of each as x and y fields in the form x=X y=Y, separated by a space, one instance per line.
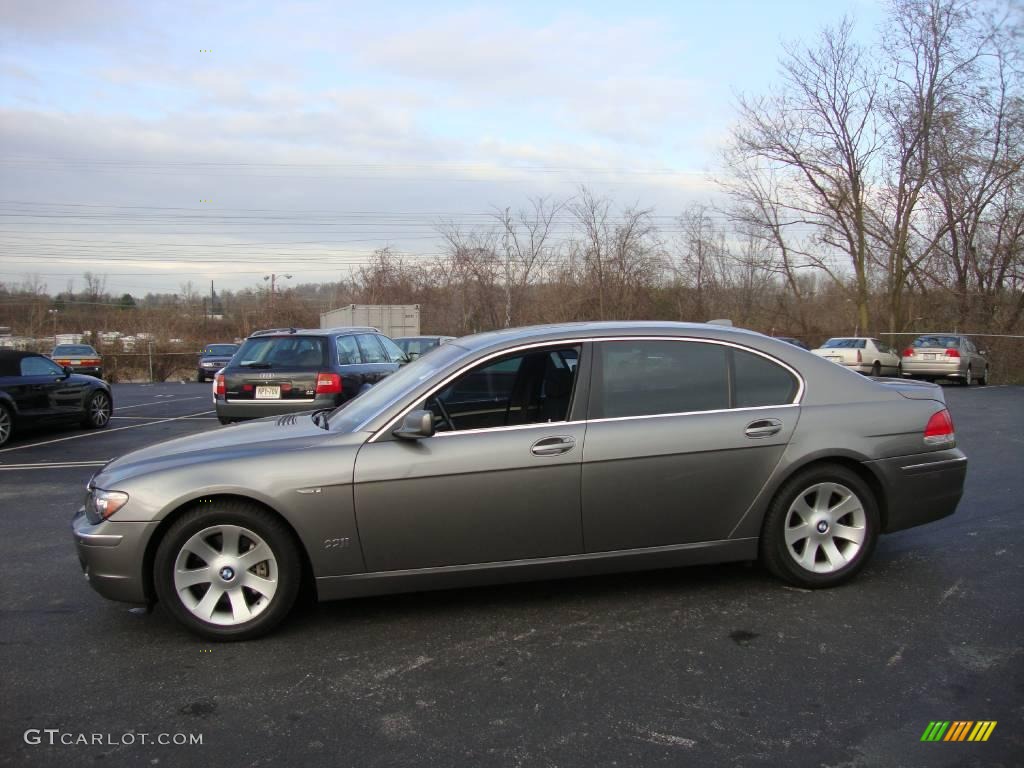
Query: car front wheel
x=228 y=570
x=97 y=411
x=821 y=528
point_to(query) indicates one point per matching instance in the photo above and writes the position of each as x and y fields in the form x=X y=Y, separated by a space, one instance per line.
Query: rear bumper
x=111 y=556
x=952 y=368
x=922 y=487
x=257 y=409
x=88 y=370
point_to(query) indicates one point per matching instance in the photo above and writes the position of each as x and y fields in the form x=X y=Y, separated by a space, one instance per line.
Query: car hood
x=276 y=434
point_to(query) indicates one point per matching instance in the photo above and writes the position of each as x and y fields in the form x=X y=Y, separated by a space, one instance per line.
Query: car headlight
x=102 y=504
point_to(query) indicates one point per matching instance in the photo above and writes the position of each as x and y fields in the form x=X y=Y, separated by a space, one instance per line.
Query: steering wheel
x=445 y=417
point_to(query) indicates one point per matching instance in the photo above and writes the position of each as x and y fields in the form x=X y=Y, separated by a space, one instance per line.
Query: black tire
x=876 y=369
x=98 y=410
x=899 y=370
x=969 y=378
x=6 y=424
x=200 y=378
x=223 y=420
x=264 y=524
x=781 y=560
x=983 y=381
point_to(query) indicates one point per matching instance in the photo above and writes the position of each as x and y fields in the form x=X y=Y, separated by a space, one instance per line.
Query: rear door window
x=651 y=377
x=348 y=350
x=40 y=366
x=371 y=349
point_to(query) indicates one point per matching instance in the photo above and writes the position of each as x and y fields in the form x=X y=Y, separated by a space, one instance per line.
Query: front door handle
x=552 y=446
x=763 y=428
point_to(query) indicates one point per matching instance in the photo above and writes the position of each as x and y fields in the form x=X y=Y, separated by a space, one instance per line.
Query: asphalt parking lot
x=701 y=666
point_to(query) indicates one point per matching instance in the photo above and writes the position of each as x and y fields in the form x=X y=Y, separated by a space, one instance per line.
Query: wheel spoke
x=239 y=608
x=229 y=540
x=848 y=533
x=802 y=509
x=265 y=587
x=257 y=554
x=202 y=550
x=810 y=554
x=193 y=576
x=835 y=557
x=795 y=533
x=205 y=607
x=849 y=504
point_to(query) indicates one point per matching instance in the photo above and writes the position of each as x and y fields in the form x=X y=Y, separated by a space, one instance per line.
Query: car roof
x=594 y=329
x=7 y=355
x=313 y=331
x=426 y=336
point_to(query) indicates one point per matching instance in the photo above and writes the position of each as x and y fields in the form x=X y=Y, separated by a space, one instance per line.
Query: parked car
x=862 y=354
x=212 y=358
x=287 y=370
x=34 y=390
x=552 y=451
x=794 y=341
x=946 y=356
x=417 y=346
x=80 y=358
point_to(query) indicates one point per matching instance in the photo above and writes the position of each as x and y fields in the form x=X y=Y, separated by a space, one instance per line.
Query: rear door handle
x=763 y=428
x=552 y=446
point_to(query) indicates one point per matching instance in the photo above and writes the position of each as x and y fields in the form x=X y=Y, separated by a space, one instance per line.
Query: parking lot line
x=159 y=402
x=101 y=432
x=150 y=418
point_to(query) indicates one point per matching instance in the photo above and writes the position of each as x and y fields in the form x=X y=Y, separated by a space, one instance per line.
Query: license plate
x=835 y=359
x=929 y=357
x=268 y=393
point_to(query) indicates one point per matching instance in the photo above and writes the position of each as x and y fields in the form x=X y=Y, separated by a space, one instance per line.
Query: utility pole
x=272 y=277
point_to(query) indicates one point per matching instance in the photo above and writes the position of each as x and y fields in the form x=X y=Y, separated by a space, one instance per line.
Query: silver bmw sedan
x=529 y=453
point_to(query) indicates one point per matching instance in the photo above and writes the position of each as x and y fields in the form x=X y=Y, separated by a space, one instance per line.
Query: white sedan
x=862 y=354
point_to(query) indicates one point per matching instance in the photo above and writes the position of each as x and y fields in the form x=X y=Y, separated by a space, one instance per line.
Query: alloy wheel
x=6 y=425
x=825 y=527
x=226 y=575
x=99 y=410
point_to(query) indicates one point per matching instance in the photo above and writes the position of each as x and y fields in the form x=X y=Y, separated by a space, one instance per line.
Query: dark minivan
x=286 y=370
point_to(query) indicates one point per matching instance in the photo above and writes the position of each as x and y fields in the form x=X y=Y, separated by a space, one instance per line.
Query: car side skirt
x=537 y=569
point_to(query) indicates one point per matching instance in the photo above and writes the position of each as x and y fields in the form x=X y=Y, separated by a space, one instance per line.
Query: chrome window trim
x=797 y=398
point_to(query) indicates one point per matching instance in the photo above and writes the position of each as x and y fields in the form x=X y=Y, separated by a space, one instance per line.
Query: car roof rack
x=360 y=328
x=265 y=331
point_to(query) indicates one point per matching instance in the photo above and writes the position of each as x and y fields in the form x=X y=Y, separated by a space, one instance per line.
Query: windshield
x=942 y=342
x=220 y=350
x=843 y=344
x=417 y=347
x=357 y=411
x=73 y=349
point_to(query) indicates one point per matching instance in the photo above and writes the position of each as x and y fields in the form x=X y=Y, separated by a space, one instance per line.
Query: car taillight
x=952 y=353
x=91 y=361
x=939 y=429
x=860 y=357
x=219 y=387
x=328 y=383
x=908 y=352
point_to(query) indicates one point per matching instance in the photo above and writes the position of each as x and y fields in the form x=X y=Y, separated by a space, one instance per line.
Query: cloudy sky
x=157 y=143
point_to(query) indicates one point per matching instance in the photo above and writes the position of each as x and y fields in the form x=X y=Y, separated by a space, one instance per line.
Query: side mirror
x=67 y=370
x=417 y=424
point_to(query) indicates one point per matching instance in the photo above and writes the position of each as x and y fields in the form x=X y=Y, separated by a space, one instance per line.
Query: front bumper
x=922 y=487
x=111 y=555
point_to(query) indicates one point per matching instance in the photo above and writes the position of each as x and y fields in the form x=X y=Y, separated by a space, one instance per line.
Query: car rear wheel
x=6 y=424
x=821 y=528
x=97 y=411
x=984 y=378
x=969 y=378
x=228 y=570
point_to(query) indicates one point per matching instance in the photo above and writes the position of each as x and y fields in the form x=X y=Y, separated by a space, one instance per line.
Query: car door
x=63 y=396
x=499 y=481
x=376 y=364
x=681 y=437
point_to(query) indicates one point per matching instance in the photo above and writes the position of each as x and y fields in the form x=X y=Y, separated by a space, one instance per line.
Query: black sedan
x=35 y=390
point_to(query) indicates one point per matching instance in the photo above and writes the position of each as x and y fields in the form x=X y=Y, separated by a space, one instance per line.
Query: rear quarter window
x=760 y=382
